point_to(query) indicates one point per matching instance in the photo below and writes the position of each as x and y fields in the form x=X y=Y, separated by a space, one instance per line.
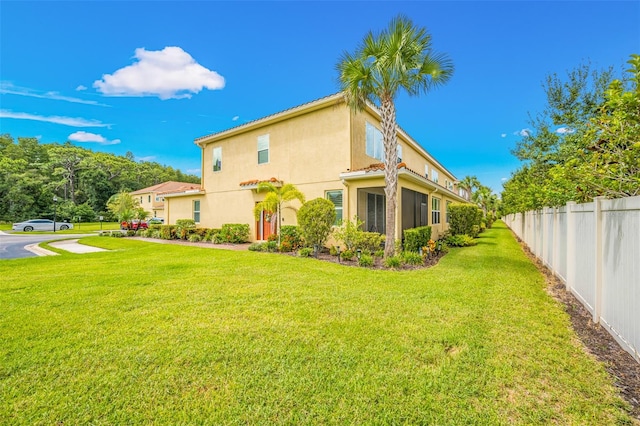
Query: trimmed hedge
x=463 y=217
x=235 y=233
x=415 y=238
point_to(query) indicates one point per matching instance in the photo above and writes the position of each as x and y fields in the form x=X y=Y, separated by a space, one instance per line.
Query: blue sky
x=150 y=77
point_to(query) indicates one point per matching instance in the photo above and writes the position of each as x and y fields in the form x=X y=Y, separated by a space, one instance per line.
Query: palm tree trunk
x=388 y=112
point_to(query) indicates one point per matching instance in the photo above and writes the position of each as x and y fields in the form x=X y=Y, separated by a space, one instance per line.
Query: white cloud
x=81 y=88
x=167 y=73
x=91 y=138
x=194 y=171
x=523 y=132
x=7 y=88
x=148 y=158
x=504 y=179
x=67 y=121
x=503 y=135
x=236 y=118
x=565 y=130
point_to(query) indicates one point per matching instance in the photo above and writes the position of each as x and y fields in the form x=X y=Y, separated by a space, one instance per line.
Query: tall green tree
x=469 y=183
x=583 y=145
x=275 y=200
x=398 y=58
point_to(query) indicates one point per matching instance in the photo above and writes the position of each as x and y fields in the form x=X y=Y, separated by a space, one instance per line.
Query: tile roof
x=257 y=181
x=166 y=187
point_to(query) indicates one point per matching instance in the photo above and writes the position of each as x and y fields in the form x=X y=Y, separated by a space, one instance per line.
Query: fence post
x=597 y=211
x=555 y=260
x=571 y=246
x=544 y=250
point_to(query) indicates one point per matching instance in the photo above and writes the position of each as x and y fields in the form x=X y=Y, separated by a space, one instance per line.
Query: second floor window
x=434 y=175
x=263 y=149
x=375 y=146
x=217 y=159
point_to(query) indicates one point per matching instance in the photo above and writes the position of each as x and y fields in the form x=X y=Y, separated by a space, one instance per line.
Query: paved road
x=12 y=246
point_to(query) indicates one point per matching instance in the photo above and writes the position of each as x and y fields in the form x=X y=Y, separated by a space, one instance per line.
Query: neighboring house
x=325 y=150
x=152 y=198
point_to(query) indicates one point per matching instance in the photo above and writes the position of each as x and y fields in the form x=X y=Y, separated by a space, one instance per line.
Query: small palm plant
x=275 y=200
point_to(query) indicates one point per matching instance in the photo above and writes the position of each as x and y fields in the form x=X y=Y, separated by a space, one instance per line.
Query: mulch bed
x=377 y=262
x=596 y=340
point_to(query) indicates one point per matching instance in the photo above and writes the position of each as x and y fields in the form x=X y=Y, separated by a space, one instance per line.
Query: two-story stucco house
x=152 y=198
x=325 y=150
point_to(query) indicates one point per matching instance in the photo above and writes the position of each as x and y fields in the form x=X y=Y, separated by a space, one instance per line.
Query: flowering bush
x=234 y=233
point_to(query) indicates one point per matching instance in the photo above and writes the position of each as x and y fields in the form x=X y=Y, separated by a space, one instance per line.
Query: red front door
x=263 y=226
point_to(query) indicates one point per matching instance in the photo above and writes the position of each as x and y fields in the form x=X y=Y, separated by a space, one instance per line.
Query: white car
x=40 y=225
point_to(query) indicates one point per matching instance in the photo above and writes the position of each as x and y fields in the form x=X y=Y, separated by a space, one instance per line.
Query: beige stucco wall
x=309 y=147
x=308 y=150
x=148 y=202
x=182 y=208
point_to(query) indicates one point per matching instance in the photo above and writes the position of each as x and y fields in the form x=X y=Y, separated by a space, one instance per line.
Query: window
x=159 y=198
x=435 y=211
x=196 y=210
x=399 y=153
x=448 y=212
x=149 y=199
x=217 y=159
x=426 y=171
x=375 y=213
x=434 y=175
x=375 y=146
x=141 y=199
x=263 y=149
x=450 y=185
x=336 y=198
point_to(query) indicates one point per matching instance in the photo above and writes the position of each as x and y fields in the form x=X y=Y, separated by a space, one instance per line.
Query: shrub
x=256 y=247
x=131 y=233
x=117 y=234
x=411 y=258
x=347 y=255
x=168 y=232
x=210 y=235
x=349 y=233
x=272 y=237
x=365 y=260
x=286 y=247
x=291 y=235
x=195 y=238
x=370 y=242
x=393 y=262
x=156 y=234
x=462 y=217
x=460 y=240
x=271 y=246
x=333 y=251
x=379 y=253
x=415 y=238
x=315 y=219
x=235 y=233
x=305 y=252
x=184 y=228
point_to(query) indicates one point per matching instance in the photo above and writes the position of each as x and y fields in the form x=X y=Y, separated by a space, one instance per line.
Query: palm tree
x=469 y=183
x=482 y=197
x=399 y=57
x=275 y=199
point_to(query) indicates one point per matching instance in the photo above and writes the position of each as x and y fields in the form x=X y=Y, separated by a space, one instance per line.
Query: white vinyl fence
x=594 y=248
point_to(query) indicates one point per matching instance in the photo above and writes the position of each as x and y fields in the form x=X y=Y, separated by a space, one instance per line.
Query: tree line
x=33 y=173
x=584 y=144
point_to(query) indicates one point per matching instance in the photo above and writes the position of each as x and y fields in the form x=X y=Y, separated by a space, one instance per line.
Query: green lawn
x=169 y=334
